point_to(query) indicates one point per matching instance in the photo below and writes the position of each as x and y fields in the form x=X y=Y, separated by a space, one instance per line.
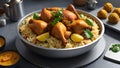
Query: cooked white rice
x=52 y=42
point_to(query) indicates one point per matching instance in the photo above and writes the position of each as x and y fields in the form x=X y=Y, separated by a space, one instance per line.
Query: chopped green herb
x=82 y=16
x=57 y=17
x=88 y=33
x=115 y=48
x=89 y=21
x=53 y=14
x=59 y=14
x=55 y=21
x=35 y=16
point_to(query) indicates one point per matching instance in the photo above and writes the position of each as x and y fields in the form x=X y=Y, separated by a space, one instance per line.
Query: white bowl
x=66 y=52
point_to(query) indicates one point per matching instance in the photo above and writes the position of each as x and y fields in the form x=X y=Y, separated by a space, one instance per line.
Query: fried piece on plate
x=113 y=18
x=117 y=10
x=102 y=14
x=108 y=7
x=38 y=26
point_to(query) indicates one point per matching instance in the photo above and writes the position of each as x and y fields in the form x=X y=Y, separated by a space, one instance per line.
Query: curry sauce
x=9 y=58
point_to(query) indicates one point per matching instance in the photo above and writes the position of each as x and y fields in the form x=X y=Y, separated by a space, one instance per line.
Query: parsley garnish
x=57 y=17
x=115 y=48
x=88 y=33
x=89 y=21
x=35 y=16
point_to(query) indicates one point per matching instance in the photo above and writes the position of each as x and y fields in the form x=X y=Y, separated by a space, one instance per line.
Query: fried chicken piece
x=46 y=15
x=67 y=34
x=59 y=31
x=68 y=15
x=72 y=8
x=38 y=26
x=78 y=26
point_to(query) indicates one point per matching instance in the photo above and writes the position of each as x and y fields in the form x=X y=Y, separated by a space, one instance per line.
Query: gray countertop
x=9 y=31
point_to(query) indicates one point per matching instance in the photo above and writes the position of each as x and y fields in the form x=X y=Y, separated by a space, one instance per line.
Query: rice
x=52 y=42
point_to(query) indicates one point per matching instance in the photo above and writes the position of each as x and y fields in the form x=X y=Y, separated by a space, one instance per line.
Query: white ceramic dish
x=66 y=52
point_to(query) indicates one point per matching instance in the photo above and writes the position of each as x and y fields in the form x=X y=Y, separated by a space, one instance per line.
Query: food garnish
x=55 y=21
x=88 y=33
x=43 y=37
x=77 y=37
x=115 y=48
x=89 y=21
x=35 y=16
x=58 y=17
x=82 y=15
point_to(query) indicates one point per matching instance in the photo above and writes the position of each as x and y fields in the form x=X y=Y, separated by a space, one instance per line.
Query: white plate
x=113 y=56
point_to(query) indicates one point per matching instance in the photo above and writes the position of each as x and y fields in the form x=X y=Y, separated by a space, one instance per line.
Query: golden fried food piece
x=46 y=15
x=58 y=31
x=108 y=7
x=117 y=10
x=69 y=15
x=72 y=8
x=102 y=14
x=38 y=26
x=78 y=26
x=113 y=18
